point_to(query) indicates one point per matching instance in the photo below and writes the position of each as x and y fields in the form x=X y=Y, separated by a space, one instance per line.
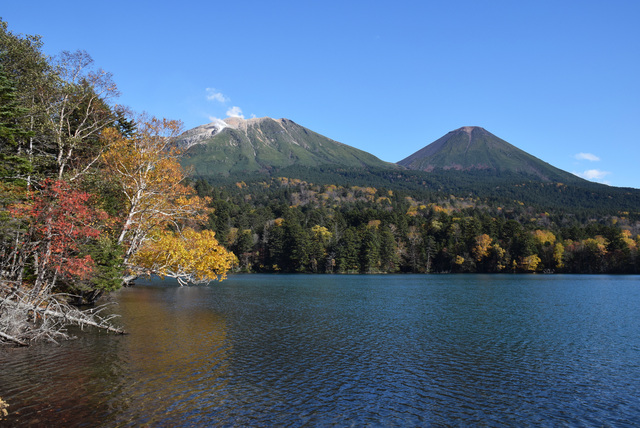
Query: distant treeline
x=290 y=225
x=582 y=198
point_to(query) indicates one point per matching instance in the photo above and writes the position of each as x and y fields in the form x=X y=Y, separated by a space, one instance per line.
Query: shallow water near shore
x=376 y=350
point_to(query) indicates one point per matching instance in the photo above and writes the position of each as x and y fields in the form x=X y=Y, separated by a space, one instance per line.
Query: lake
x=362 y=350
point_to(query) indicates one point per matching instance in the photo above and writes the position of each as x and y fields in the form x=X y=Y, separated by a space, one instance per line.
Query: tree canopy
x=92 y=196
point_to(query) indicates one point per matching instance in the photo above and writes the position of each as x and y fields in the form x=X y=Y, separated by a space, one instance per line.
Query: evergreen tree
x=13 y=164
x=370 y=250
x=347 y=252
x=389 y=258
x=297 y=246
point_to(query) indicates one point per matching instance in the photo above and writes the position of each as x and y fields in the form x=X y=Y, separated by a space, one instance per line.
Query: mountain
x=240 y=146
x=467 y=162
x=473 y=148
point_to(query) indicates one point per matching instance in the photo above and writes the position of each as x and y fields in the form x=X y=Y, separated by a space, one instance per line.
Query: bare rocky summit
x=237 y=145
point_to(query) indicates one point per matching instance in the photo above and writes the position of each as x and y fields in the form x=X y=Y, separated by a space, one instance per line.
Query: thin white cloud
x=218 y=122
x=235 y=111
x=593 y=174
x=587 y=156
x=213 y=95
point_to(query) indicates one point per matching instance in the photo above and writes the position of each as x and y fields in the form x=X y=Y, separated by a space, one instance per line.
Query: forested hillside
x=290 y=225
x=584 y=199
x=469 y=162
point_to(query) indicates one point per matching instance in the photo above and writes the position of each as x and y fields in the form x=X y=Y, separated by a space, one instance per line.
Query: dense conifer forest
x=291 y=225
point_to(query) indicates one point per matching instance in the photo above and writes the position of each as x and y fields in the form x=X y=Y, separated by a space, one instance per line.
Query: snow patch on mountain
x=200 y=134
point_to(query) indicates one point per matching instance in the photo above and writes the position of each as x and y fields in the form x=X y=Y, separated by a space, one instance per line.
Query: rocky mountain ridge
x=264 y=145
x=238 y=145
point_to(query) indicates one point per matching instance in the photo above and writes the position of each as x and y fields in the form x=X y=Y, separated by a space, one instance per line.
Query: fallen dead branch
x=24 y=319
x=13 y=339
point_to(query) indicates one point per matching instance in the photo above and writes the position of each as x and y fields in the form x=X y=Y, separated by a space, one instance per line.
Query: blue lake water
x=305 y=350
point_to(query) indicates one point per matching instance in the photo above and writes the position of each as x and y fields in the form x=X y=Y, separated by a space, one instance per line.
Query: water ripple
x=346 y=351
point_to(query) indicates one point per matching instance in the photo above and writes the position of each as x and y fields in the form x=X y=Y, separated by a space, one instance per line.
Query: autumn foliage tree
x=59 y=221
x=68 y=156
x=46 y=256
x=482 y=247
x=188 y=255
x=157 y=204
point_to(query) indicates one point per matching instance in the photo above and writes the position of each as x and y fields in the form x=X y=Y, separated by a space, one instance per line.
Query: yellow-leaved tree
x=530 y=263
x=189 y=256
x=482 y=247
x=158 y=206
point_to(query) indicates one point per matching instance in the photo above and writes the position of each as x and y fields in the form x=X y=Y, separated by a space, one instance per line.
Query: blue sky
x=558 y=79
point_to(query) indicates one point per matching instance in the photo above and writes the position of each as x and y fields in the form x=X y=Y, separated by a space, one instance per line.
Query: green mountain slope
x=263 y=145
x=474 y=148
x=468 y=162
